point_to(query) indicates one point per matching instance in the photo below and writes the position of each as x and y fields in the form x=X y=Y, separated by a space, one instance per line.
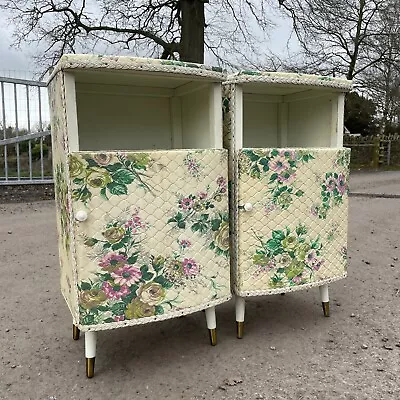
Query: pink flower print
x=127 y=275
x=118 y=318
x=290 y=154
x=341 y=184
x=296 y=279
x=330 y=184
x=115 y=292
x=186 y=203
x=267 y=267
x=202 y=195
x=193 y=166
x=135 y=223
x=185 y=243
x=112 y=261
x=269 y=208
x=317 y=264
x=190 y=267
x=286 y=177
x=311 y=257
x=314 y=210
x=278 y=164
x=221 y=182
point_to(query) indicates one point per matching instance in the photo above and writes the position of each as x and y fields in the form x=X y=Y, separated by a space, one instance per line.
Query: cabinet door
x=151 y=234
x=292 y=218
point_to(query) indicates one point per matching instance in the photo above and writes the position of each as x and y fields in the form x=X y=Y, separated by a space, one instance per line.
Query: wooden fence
x=374 y=151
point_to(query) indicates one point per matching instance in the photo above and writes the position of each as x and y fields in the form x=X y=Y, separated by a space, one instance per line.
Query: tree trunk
x=192 y=33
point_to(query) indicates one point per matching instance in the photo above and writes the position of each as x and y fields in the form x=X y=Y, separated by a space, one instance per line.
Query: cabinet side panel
x=62 y=193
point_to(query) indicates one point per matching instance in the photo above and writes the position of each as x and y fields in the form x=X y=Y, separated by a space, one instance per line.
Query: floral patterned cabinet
x=289 y=177
x=143 y=223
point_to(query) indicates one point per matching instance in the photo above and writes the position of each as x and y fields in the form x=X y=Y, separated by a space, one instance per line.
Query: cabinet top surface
x=131 y=65
x=287 y=82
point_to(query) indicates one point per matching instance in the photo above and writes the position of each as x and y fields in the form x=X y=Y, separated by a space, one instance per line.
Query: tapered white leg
x=90 y=352
x=240 y=308
x=212 y=324
x=324 y=293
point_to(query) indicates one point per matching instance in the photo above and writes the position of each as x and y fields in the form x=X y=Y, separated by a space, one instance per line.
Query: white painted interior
x=195 y=120
x=112 y=122
x=310 y=123
x=308 y=117
x=71 y=112
x=260 y=124
x=122 y=113
x=338 y=140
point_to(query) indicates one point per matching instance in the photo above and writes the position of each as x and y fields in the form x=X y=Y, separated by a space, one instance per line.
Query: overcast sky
x=18 y=63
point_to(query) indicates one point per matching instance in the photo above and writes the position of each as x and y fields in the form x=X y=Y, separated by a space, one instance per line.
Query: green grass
x=24 y=167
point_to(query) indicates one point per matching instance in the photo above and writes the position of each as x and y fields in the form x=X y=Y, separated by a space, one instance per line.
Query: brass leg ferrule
x=75 y=332
x=213 y=337
x=90 y=367
x=240 y=328
x=325 y=307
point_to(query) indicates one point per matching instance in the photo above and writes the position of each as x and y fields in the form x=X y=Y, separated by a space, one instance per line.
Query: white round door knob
x=81 y=216
x=248 y=207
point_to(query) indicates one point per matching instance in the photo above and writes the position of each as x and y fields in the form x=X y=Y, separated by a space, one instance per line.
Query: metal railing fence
x=25 y=147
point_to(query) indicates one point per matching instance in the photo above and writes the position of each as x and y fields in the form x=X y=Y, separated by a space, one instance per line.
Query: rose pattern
x=280 y=166
x=289 y=258
x=129 y=282
x=151 y=293
x=138 y=309
x=111 y=173
x=91 y=298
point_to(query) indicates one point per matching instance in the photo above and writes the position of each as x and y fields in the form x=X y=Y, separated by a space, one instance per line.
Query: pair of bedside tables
x=177 y=185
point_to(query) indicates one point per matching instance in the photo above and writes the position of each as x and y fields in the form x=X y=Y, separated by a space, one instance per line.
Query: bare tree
x=337 y=36
x=382 y=80
x=173 y=29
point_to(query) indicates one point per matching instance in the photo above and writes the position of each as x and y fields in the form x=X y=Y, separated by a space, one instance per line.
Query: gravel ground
x=290 y=351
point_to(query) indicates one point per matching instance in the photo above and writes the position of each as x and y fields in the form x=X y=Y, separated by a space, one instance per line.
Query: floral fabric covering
x=296 y=234
x=62 y=196
x=156 y=240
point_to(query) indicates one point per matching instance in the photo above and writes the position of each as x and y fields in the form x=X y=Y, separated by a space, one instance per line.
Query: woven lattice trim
x=250 y=293
x=141 y=321
x=90 y=61
x=289 y=78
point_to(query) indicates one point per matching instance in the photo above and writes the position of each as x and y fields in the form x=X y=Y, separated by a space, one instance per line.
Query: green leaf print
x=123 y=177
x=106 y=172
x=288 y=259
